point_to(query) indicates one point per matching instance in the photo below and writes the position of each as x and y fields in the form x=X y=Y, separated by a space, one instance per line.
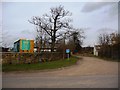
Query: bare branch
x=53 y=22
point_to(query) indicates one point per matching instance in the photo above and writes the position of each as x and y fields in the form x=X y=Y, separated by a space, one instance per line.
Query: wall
x=20 y=58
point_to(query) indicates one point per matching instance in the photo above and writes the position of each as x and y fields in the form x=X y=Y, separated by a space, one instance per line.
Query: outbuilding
x=23 y=45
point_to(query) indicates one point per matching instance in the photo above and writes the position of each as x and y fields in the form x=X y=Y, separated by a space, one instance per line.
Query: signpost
x=68 y=53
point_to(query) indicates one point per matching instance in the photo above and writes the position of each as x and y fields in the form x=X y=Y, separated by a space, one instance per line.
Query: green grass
x=40 y=66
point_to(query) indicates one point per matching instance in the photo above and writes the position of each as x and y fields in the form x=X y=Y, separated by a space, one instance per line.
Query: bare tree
x=41 y=39
x=115 y=38
x=104 y=39
x=53 y=23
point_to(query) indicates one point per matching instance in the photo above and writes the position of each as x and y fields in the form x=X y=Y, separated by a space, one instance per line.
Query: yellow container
x=31 y=46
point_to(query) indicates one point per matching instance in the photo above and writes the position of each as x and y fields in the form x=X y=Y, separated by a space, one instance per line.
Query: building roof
x=21 y=39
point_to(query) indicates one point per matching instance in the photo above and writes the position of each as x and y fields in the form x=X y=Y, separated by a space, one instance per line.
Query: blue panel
x=67 y=50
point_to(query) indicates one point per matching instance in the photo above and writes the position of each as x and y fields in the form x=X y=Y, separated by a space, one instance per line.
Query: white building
x=96 y=50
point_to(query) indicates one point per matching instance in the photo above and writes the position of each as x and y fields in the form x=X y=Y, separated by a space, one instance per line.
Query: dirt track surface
x=89 y=72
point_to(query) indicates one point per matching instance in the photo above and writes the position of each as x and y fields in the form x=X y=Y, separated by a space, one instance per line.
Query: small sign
x=25 y=44
x=67 y=50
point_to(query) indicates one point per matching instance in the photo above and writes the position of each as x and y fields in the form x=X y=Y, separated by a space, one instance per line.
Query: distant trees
x=109 y=39
x=104 y=39
x=76 y=40
x=54 y=25
x=5 y=39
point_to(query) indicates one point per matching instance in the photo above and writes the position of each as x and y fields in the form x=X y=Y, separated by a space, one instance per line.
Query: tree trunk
x=53 y=44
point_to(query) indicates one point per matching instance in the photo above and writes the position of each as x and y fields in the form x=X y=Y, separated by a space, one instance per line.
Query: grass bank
x=40 y=66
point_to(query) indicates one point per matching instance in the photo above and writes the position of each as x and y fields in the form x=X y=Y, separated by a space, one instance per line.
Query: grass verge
x=40 y=66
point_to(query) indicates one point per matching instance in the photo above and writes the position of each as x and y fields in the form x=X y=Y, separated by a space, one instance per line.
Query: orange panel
x=31 y=47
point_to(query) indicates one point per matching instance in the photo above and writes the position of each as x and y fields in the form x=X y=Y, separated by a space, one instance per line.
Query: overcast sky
x=93 y=17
